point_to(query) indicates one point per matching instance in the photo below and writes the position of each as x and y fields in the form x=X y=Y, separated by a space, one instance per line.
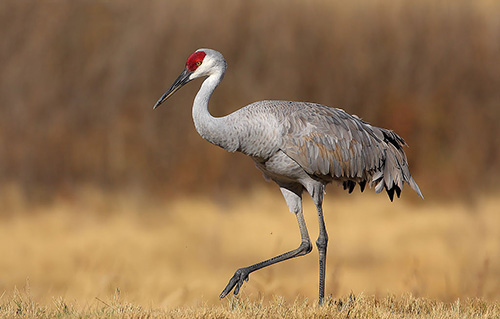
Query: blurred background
x=78 y=135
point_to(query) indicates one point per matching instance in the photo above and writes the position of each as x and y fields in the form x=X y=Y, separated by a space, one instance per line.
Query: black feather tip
x=362 y=185
x=390 y=192
x=350 y=185
x=398 y=191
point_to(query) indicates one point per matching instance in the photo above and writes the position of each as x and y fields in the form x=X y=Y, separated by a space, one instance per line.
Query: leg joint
x=305 y=248
x=322 y=242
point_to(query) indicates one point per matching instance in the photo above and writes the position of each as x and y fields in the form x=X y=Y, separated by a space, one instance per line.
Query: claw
x=239 y=277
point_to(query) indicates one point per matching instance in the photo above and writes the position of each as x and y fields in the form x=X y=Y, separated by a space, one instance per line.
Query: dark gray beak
x=179 y=82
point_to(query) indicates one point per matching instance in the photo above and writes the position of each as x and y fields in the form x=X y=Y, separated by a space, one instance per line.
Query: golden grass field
x=89 y=250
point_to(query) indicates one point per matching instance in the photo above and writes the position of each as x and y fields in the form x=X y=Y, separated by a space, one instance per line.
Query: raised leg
x=294 y=201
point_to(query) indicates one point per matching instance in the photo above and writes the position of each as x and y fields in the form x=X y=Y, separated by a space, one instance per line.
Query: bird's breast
x=281 y=168
x=259 y=135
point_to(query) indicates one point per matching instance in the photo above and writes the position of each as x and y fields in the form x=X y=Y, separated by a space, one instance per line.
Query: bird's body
x=300 y=146
x=287 y=139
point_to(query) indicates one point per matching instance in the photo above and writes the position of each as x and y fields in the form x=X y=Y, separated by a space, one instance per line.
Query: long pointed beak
x=178 y=83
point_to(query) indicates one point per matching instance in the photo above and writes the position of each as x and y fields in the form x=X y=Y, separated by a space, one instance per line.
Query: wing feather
x=330 y=143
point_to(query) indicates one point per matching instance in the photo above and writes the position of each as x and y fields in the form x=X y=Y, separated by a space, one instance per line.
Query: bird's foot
x=239 y=277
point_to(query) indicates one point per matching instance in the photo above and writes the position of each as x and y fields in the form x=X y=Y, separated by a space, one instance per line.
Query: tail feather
x=362 y=185
x=394 y=171
x=390 y=192
x=414 y=186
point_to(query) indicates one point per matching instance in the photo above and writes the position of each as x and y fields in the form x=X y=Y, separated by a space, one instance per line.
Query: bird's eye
x=198 y=63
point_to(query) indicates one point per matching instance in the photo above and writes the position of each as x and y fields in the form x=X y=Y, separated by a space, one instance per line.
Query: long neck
x=216 y=130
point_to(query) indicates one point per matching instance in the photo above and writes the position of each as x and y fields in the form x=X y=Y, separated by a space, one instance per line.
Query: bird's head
x=201 y=63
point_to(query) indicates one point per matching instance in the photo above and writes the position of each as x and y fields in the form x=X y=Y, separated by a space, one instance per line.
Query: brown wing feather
x=330 y=143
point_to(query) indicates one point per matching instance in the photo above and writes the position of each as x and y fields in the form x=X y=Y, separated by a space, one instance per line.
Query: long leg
x=294 y=201
x=321 y=243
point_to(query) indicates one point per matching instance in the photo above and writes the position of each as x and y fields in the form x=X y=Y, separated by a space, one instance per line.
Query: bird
x=302 y=147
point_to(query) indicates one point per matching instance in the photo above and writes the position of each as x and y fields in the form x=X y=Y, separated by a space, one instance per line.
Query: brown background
x=78 y=80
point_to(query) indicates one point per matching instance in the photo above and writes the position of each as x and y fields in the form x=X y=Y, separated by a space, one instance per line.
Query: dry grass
x=351 y=306
x=182 y=252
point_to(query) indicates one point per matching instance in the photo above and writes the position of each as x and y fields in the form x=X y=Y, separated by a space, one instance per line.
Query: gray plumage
x=327 y=143
x=300 y=146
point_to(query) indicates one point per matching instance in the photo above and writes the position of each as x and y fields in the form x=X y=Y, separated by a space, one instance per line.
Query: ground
x=116 y=254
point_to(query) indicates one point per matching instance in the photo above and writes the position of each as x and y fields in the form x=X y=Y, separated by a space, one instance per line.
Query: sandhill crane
x=300 y=146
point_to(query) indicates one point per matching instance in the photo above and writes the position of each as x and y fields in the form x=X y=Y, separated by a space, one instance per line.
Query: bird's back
x=328 y=143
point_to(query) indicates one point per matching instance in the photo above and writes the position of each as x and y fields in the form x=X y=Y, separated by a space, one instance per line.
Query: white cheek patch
x=197 y=73
x=193 y=75
x=202 y=70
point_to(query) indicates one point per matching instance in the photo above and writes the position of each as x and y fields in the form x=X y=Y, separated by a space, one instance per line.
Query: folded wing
x=330 y=143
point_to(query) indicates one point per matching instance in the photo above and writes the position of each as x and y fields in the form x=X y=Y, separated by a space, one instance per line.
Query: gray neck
x=217 y=130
